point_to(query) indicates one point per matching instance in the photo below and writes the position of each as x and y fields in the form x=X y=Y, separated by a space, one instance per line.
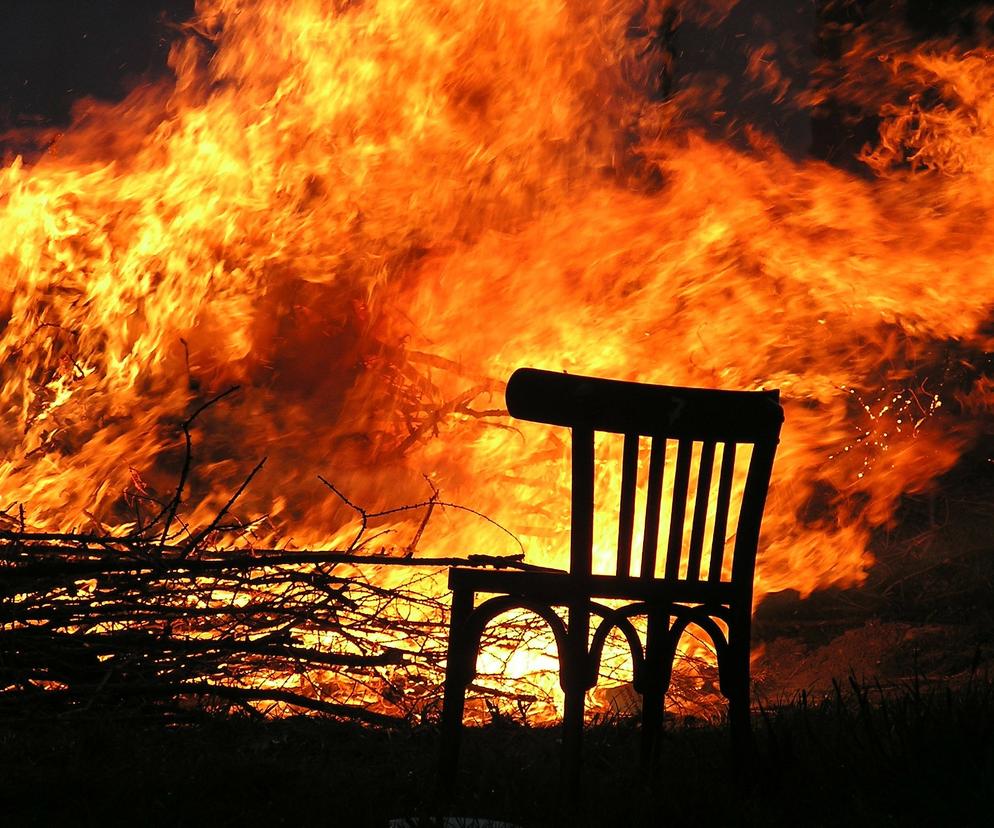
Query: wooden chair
x=718 y=422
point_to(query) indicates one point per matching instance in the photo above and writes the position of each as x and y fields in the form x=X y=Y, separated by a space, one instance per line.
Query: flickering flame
x=368 y=214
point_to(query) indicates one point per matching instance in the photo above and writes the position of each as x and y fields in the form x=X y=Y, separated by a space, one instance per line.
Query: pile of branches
x=180 y=622
x=88 y=620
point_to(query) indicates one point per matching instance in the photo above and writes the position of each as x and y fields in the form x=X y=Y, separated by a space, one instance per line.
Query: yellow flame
x=368 y=214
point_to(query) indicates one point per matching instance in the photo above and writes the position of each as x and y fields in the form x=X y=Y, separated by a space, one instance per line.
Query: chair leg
x=655 y=682
x=572 y=741
x=735 y=685
x=739 y=722
x=575 y=680
x=458 y=669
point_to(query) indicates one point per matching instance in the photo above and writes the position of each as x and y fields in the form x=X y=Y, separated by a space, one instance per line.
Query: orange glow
x=367 y=215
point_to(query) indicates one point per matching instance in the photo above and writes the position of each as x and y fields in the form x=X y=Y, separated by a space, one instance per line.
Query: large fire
x=368 y=214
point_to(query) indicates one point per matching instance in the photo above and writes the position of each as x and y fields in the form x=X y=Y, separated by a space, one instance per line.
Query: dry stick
x=170 y=656
x=456 y=368
x=176 y=658
x=424 y=521
x=173 y=505
x=135 y=612
x=461 y=508
x=154 y=584
x=145 y=602
x=133 y=598
x=79 y=544
x=170 y=659
x=432 y=420
x=123 y=640
x=178 y=568
x=430 y=503
x=111 y=545
x=363 y=515
x=205 y=532
x=5 y=513
x=240 y=621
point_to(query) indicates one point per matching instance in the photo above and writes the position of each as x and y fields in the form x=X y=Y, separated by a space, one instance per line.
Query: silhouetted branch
x=198 y=538
x=95 y=618
x=168 y=515
x=429 y=504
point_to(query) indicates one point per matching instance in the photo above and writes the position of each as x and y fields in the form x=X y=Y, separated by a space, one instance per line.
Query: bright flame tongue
x=369 y=215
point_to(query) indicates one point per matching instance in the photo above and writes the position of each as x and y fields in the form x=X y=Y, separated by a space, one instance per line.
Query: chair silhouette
x=705 y=425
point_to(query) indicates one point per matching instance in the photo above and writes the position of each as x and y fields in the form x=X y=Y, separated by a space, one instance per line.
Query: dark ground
x=913 y=758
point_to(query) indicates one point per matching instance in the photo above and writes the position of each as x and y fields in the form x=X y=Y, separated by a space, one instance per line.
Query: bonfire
x=256 y=317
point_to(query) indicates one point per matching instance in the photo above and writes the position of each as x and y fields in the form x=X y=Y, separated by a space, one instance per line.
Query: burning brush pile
x=364 y=216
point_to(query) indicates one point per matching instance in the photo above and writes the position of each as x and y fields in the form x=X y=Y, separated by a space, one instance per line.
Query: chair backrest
x=720 y=422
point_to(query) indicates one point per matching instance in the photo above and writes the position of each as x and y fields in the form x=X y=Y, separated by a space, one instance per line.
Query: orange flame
x=369 y=214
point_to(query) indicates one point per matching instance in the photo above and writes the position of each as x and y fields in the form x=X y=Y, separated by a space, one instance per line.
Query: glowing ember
x=367 y=214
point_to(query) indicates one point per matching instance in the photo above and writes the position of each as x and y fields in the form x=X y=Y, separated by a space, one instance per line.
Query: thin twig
x=206 y=531
x=170 y=510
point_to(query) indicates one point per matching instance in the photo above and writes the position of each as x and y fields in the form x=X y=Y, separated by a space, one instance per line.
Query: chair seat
x=559 y=588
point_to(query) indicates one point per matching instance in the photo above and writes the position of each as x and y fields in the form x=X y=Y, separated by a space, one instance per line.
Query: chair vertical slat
x=678 y=512
x=582 y=512
x=626 y=513
x=696 y=551
x=724 y=500
x=653 y=503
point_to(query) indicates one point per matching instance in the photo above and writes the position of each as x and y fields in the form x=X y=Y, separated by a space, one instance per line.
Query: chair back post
x=581 y=545
x=750 y=520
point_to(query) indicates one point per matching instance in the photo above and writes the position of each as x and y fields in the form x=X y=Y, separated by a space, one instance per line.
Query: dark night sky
x=53 y=52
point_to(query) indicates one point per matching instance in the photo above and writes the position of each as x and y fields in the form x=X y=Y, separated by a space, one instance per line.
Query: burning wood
x=94 y=620
x=99 y=620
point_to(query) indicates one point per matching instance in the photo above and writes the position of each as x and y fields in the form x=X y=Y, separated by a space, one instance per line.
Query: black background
x=53 y=52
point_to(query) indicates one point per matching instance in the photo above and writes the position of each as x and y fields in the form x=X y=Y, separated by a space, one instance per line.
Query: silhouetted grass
x=864 y=755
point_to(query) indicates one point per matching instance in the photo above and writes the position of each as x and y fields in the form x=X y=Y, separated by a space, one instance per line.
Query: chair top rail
x=635 y=408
